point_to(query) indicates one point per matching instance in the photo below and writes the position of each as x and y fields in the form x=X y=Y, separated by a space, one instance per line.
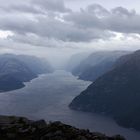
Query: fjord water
x=48 y=96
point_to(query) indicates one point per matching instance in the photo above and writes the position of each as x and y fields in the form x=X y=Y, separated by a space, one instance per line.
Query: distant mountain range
x=75 y=60
x=116 y=93
x=16 y=69
x=96 y=64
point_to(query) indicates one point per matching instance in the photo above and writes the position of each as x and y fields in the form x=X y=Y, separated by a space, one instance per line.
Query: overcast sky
x=51 y=26
x=109 y=4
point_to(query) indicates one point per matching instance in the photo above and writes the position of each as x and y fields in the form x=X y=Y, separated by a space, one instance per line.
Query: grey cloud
x=117 y=20
x=17 y=23
x=124 y=21
x=51 y=28
x=84 y=19
x=23 y=8
x=66 y=31
x=34 y=40
x=97 y=10
x=56 y=22
x=123 y=12
x=17 y=6
x=34 y=6
x=52 y=5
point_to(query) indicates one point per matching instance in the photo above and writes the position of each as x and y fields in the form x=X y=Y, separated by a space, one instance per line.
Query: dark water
x=48 y=97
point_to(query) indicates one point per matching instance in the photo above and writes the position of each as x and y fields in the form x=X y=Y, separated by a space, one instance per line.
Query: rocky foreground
x=19 y=128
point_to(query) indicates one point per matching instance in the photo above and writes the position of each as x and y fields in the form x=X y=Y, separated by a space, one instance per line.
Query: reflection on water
x=48 y=97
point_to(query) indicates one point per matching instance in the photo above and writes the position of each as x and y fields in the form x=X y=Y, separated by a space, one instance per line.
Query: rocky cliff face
x=19 y=128
x=116 y=93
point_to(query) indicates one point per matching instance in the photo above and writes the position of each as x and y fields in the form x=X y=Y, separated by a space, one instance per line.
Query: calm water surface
x=48 y=97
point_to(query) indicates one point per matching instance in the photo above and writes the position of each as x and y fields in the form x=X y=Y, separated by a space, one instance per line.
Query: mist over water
x=48 y=96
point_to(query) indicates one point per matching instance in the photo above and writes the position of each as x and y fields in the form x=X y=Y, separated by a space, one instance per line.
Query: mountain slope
x=36 y=65
x=97 y=64
x=75 y=60
x=116 y=93
x=93 y=72
x=16 y=69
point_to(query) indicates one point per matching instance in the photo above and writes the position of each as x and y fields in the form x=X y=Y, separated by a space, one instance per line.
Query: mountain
x=116 y=93
x=97 y=64
x=7 y=83
x=16 y=69
x=19 y=128
x=75 y=60
x=91 y=73
x=36 y=64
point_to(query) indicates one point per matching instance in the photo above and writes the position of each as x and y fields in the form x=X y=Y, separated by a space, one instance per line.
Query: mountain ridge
x=17 y=69
x=96 y=64
x=115 y=93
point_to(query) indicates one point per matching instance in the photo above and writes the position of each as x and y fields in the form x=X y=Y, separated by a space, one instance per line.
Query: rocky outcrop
x=19 y=128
